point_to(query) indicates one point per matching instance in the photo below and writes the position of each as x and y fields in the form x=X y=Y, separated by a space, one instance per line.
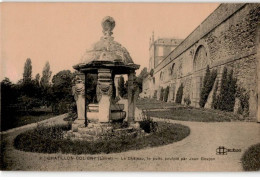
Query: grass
x=11 y=119
x=189 y=115
x=49 y=140
x=154 y=104
x=184 y=113
x=251 y=158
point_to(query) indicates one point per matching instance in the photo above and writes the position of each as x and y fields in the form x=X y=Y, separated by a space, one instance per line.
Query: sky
x=61 y=32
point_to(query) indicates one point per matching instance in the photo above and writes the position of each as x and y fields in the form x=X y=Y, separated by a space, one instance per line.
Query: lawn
x=13 y=119
x=155 y=108
x=154 y=104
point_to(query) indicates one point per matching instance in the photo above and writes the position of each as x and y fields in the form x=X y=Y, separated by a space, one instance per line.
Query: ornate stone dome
x=106 y=49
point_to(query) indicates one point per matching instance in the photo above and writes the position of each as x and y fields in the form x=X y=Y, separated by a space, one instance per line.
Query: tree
x=62 y=85
x=231 y=94
x=228 y=88
x=60 y=94
x=179 y=94
x=46 y=75
x=37 y=79
x=166 y=93
x=208 y=84
x=215 y=101
x=223 y=91
x=27 y=73
x=139 y=79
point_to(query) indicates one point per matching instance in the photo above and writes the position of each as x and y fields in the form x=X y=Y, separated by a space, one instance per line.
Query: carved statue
x=108 y=24
x=79 y=95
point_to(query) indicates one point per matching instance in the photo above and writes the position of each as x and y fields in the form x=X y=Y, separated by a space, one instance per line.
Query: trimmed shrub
x=166 y=94
x=223 y=91
x=214 y=104
x=208 y=84
x=147 y=123
x=187 y=101
x=226 y=97
x=250 y=159
x=50 y=140
x=243 y=96
x=155 y=94
x=231 y=94
x=161 y=94
x=179 y=94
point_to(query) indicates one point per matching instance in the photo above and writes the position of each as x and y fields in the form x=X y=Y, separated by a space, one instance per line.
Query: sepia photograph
x=130 y=87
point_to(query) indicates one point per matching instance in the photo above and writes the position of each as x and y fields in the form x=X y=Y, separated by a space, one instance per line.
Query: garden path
x=203 y=141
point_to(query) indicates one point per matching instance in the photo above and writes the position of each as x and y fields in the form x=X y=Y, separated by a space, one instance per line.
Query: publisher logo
x=221 y=150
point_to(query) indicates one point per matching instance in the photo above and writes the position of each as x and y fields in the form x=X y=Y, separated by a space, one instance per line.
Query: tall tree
x=37 y=79
x=223 y=95
x=139 y=80
x=27 y=73
x=46 y=75
x=62 y=85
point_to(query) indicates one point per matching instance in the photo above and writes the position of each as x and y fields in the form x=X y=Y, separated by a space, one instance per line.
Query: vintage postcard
x=158 y=87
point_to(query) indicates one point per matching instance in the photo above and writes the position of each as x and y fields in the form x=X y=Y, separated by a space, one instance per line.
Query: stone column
x=116 y=85
x=104 y=93
x=131 y=98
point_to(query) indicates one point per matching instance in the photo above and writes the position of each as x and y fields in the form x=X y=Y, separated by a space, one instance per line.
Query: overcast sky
x=61 y=32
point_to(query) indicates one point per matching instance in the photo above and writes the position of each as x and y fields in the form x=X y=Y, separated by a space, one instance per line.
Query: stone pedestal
x=104 y=94
x=79 y=96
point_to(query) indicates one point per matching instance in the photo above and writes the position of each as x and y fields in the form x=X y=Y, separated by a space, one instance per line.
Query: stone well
x=107 y=58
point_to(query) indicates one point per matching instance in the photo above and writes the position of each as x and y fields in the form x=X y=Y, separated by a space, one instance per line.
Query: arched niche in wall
x=173 y=70
x=200 y=60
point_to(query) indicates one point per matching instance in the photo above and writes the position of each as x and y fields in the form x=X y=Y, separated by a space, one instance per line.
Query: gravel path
x=201 y=145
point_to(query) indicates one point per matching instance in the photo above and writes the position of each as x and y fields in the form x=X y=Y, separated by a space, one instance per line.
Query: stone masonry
x=226 y=38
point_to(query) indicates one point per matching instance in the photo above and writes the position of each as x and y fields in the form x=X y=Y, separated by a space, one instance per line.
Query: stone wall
x=226 y=38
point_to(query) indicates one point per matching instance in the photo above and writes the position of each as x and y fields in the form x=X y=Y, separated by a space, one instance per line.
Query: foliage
x=232 y=87
x=208 y=84
x=226 y=97
x=28 y=103
x=91 y=83
x=250 y=159
x=46 y=75
x=62 y=85
x=147 y=123
x=139 y=79
x=161 y=94
x=243 y=96
x=214 y=104
x=49 y=140
x=37 y=79
x=151 y=72
x=179 y=94
x=166 y=93
x=27 y=74
x=72 y=114
x=155 y=94
x=187 y=101
x=121 y=87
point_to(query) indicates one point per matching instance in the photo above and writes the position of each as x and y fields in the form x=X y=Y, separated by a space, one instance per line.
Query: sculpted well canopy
x=106 y=50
